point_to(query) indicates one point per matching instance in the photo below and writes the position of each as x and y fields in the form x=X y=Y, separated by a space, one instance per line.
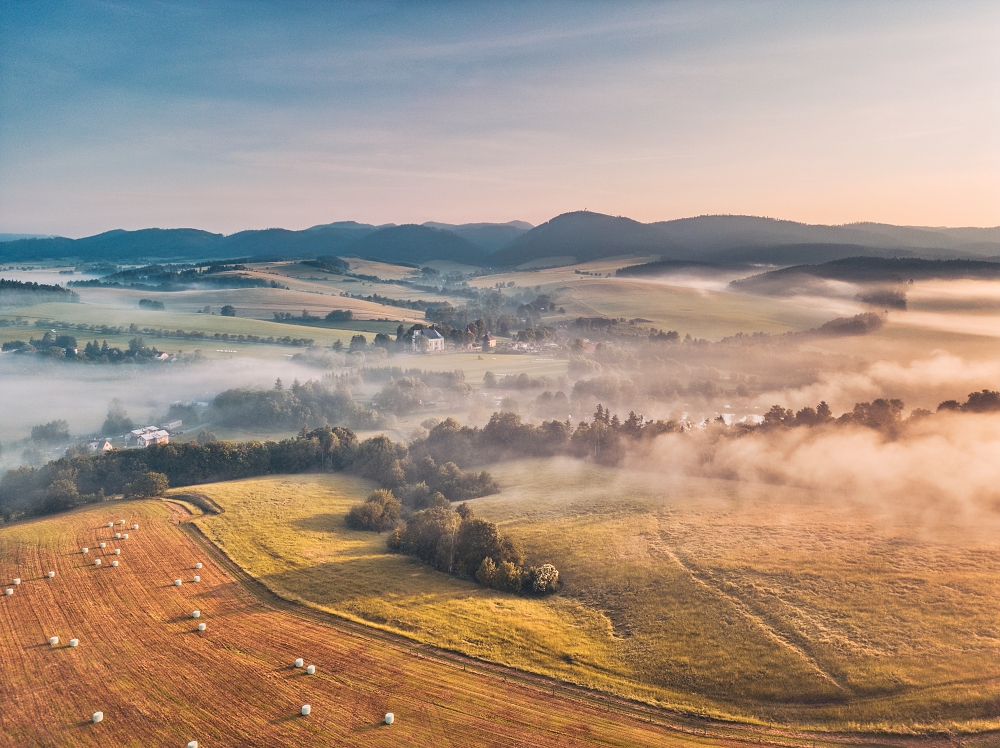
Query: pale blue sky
x=228 y=116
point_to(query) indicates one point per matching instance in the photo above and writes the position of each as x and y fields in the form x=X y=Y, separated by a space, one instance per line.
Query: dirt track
x=161 y=683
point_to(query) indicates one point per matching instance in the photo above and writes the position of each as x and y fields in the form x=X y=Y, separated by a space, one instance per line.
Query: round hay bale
x=299 y=662
x=390 y=718
x=74 y=642
x=201 y=627
x=86 y=550
x=198 y=565
x=51 y=574
x=118 y=551
x=135 y=527
x=53 y=641
x=118 y=536
x=121 y=522
x=177 y=583
x=9 y=591
x=310 y=669
x=192 y=744
x=98 y=717
x=115 y=562
x=17 y=580
x=97 y=562
x=305 y=710
x=196 y=614
x=124 y=536
x=102 y=544
x=111 y=524
x=196 y=578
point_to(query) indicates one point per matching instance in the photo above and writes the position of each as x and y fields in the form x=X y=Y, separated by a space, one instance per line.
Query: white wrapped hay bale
x=17 y=581
x=299 y=662
x=135 y=527
x=305 y=710
x=198 y=565
x=311 y=669
x=192 y=744
x=201 y=626
x=98 y=717
x=196 y=614
x=118 y=551
x=121 y=522
x=102 y=544
x=53 y=641
x=51 y=574
x=111 y=524
x=86 y=550
x=115 y=562
x=177 y=583
x=118 y=536
x=124 y=536
x=196 y=578
x=9 y=591
x=97 y=562
x=74 y=642
x=390 y=718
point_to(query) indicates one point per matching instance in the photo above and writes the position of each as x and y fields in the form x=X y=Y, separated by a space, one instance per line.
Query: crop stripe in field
x=661 y=545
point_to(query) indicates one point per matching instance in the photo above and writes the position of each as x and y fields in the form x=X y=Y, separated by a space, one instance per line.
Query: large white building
x=145 y=436
x=428 y=340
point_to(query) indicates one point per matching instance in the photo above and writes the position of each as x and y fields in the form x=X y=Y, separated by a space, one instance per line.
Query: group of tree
x=28 y=490
x=313 y=403
x=457 y=542
x=66 y=347
x=24 y=293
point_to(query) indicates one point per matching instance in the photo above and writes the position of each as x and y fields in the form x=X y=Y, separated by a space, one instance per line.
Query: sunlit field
x=750 y=601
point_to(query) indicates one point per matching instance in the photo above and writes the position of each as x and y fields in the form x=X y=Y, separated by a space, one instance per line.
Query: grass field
x=160 y=682
x=759 y=603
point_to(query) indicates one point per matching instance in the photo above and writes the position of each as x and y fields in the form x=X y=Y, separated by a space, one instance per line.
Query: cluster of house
x=147 y=435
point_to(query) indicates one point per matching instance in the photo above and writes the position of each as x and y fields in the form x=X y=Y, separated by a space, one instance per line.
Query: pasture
x=159 y=681
x=756 y=603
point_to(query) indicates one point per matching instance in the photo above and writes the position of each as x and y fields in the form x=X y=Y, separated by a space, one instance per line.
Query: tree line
x=28 y=491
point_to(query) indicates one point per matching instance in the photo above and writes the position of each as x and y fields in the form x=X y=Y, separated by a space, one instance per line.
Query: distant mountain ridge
x=582 y=235
x=737 y=239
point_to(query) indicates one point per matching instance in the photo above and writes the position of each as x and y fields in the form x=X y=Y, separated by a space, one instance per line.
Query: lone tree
x=228 y=311
x=117 y=421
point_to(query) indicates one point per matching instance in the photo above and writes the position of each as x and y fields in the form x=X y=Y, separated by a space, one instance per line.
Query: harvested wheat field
x=158 y=681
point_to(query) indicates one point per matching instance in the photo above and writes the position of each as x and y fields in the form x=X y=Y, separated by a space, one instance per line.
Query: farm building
x=428 y=340
x=489 y=342
x=145 y=436
x=172 y=425
x=102 y=445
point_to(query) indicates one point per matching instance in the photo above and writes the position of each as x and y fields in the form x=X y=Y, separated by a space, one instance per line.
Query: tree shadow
x=321 y=523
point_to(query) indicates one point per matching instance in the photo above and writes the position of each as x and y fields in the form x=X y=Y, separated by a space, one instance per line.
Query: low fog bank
x=35 y=391
x=938 y=473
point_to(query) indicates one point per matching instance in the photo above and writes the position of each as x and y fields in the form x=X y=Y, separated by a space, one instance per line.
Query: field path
x=660 y=545
x=159 y=682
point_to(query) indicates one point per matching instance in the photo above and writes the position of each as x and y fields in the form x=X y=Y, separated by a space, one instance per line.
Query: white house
x=145 y=436
x=428 y=340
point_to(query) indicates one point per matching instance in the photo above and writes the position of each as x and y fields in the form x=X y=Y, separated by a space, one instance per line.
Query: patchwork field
x=160 y=682
x=751 y=602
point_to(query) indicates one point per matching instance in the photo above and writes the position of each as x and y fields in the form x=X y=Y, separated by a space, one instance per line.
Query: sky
x=231 y=116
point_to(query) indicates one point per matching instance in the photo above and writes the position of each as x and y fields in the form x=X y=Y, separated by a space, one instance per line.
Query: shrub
x=542 y=579
x=380 y=512
x=486 y=575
